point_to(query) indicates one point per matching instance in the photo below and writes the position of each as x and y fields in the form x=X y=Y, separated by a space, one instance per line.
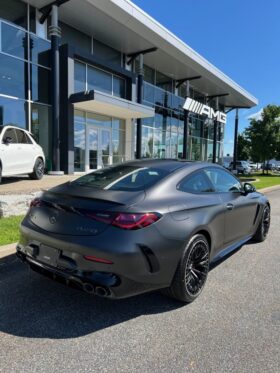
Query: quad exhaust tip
x=96 y=290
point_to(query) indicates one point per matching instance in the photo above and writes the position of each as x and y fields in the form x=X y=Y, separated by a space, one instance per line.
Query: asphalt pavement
x=234 y=326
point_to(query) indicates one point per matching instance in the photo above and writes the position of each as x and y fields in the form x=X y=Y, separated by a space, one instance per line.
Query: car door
x=26 y=151
x=204 y=206
x=240 y=209
x=8 y=155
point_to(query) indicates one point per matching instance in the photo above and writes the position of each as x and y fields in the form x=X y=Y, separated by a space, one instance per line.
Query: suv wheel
x=192 y=271
x=38 y=170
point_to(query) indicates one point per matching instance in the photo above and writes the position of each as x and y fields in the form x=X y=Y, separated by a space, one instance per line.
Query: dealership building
x=99 y=82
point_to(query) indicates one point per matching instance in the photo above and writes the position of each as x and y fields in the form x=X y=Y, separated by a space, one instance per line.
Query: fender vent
x=152 y=262
x=257 y=213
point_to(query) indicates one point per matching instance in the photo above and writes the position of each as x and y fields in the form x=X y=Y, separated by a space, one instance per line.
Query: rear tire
x=263 y=227
x=38 y=170
x=191 y=274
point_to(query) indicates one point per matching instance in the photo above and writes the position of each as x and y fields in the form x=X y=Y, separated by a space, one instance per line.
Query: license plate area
x=49 y=255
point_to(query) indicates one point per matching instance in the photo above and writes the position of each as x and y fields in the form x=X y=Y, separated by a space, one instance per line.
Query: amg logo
x=201 y=109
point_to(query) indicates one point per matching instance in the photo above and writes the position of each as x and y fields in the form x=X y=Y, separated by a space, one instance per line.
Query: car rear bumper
x=140 y=262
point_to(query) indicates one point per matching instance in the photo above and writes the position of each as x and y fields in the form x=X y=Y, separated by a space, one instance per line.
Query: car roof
x=169 y=165
x=15 y=127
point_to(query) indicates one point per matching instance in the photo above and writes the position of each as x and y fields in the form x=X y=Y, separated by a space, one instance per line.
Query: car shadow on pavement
x=13 y=179
x=33 y=306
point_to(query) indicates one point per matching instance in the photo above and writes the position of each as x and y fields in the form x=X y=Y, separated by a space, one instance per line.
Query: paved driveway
x=234 y=326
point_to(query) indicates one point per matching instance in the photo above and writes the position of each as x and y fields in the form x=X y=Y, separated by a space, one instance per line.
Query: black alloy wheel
x=192 y=271
x=197 y=268
x=263 y=227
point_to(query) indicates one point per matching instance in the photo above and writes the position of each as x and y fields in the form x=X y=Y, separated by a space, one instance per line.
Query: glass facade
x=25 y=73
x=87 y=77
x=162 y=136
x=99 y=140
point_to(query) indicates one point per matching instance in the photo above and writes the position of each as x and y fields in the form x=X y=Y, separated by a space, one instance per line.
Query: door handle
x=230 y=206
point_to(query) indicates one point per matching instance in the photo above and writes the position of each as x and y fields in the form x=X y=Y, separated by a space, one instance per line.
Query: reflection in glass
x=99 y=120
x=13 y=112
x=39 y=51
x=40 y=87
x=99 y=80
x=118 y=87
x=79 y=147
x=40 y=126
x=105 y=147
x=14 y=41
x=79 y=77
x=13 y=77
x=93 y=148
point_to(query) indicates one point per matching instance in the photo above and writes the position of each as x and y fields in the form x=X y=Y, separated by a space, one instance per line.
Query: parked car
x=268 y=166
x=141 y=226
x=20 y=154
x=253 y=166
x=242 y=167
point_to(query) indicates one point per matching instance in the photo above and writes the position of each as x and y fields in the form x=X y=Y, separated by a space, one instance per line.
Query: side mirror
x=248 y=188
x=8 y=140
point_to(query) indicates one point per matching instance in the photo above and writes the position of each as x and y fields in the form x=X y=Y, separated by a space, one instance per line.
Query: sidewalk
x=7 y=250
x=24 y=185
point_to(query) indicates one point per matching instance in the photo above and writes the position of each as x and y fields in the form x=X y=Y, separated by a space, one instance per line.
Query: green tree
x=243 y=147
x=264 y=135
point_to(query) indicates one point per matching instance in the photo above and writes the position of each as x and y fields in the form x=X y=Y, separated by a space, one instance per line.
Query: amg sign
x=201 y=109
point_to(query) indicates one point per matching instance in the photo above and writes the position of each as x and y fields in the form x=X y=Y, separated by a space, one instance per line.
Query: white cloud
x=256 y=116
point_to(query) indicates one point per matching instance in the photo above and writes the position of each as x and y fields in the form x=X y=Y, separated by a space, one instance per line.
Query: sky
x=240 y=37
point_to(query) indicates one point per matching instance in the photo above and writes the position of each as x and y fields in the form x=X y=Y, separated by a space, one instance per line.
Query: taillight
x=124 y=220
x=36 y=202
x=135 y=221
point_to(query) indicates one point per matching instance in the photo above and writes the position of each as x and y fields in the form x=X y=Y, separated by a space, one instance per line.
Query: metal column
x=215 y=134
x=139 y=100
x=235 y=140
x=55 y=33
x=186 y=126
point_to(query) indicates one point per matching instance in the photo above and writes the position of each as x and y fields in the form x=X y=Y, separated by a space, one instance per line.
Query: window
x=39 y=51
x=14 y=11
x=21 y=137
x=10 y=133
x=197 y=182
x=122 y=178
x=13 y=112
x=118 y=87
x=13 y=77
x=99 y=80
x=14 y=41
x=40 y=84
x=79 y=77
x=223 y=181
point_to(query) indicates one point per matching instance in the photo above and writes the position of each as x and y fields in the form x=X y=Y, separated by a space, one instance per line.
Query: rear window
x=122 y=178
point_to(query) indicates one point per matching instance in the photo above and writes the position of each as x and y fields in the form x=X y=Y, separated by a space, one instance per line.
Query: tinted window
x=125 y=178
x=22 y=137
x=10 y=132
x=223 y=181
x=196 y=183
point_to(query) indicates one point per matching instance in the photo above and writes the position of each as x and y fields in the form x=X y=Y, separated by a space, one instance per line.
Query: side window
x=10 y=133
x=197 y=182
x=28 y=139
x=223 y=181
x=21 y=136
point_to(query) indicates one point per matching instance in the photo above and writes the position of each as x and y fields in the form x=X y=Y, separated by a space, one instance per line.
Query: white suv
x=20 y=154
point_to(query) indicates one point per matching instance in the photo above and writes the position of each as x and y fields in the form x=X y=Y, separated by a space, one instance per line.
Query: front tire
x=263 y=226
x=38 y=170
x=192 y=271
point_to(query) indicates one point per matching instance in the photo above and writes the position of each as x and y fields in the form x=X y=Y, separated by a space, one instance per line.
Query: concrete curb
x=7 y=250
x=269 y=189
